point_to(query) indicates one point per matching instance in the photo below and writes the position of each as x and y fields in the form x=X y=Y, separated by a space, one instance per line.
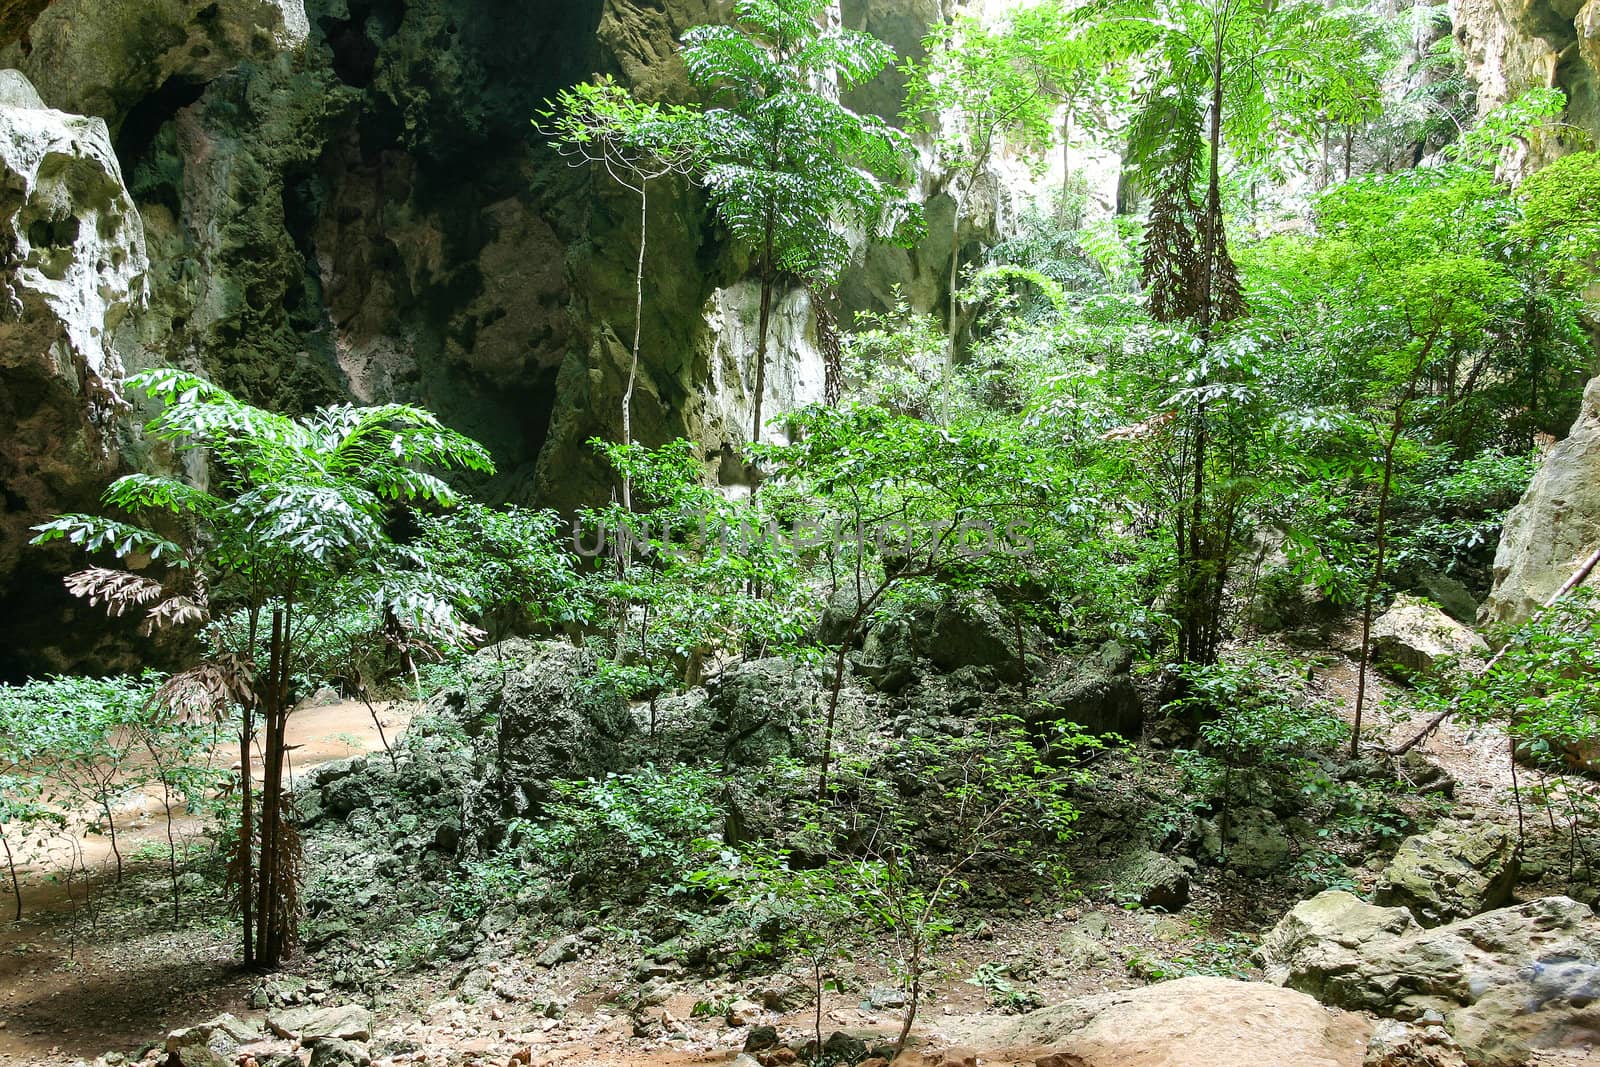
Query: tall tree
x=980 y=87
x=791 y=170
x=290 y=536
x=1244 y=77
x=635 y=143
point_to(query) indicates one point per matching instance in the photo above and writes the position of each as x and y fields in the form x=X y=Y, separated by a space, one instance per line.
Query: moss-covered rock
x=1454 y=871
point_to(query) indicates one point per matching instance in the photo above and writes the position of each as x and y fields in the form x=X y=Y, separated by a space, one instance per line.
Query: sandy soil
x=94 y=966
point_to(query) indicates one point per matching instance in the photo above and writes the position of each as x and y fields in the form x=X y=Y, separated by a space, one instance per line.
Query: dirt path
x=94 y=966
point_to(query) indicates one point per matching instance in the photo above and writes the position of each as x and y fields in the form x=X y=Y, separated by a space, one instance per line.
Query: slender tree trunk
x=913 y=994
x=246 y=838
x=1066 y=162
x=1200 y=646
x=11 y=868
x=765 y=321
x=104 y=789
x=833 y=714
x=960 y=206
x=1381 y=540
x=638 y=332
x=266 y=924
x=166 y=808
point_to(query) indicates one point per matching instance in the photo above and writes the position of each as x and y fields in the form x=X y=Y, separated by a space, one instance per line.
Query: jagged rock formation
x=1555 y=527
x=1511 y=46
x=347 y=198
x=1504 y=982
x=74 y=271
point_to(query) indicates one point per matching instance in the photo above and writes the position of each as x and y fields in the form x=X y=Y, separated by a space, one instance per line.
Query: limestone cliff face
x=1511 y=46
x=73 y=273
x=347 y=198
x=1555 y=527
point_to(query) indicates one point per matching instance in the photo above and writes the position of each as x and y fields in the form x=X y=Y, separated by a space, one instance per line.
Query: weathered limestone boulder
x=1316 y=946
x=1413 y=636
x=968 y=631
x=1097 y=694
x=334 y=1052
x=346 y=1022
x=1191 y=1022
x=759 y=708
x=1421 y=1044
x=1252 y=840
x=1505 y=982
x=213 y=1042
x=1555 y=527
x=536 y=716
x=1154 y=880
x=1454 y=871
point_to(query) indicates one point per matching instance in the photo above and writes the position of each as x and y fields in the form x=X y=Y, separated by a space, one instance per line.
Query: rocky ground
x=1180 y=941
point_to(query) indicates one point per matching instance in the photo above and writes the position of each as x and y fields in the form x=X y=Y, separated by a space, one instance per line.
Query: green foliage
x=292 y=532
x=72 y=747
x=789 y=168
x=512 y=566
x=627 y=838
x=1546 y=688
x=1259 y=735
x=688 y=572
x=643 y=830
x=1560 y=206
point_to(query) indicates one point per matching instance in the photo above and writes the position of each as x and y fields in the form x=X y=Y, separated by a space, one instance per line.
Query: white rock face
x=78 y=266
x=1190 y=1022
x=796 y=371
x=1413 y=636
x=1502 y=58
x=1555 y=527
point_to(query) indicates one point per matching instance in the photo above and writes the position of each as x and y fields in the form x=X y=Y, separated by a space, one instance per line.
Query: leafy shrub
x=625 y=835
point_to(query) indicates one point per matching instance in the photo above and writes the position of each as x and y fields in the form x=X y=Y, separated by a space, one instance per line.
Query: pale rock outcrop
x=1555 y=527
x=796 y=371
x=1505 y=982
x=1511 y=46
x=1414 y=636
x=100 y=58
x=1190 y=1022
x=1454 y=871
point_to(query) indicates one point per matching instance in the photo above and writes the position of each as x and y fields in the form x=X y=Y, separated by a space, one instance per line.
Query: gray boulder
x=333 y=1052
x=346 y=1022
x=969 y=632
x=1154 y=880
x=1251 y=840
x=1455 y=598
x=1505 y=982
x=1097 y=694
x=758 y=708
x=1454 y=871
x=889 y=654
x=1414 y=636
x=543 y=718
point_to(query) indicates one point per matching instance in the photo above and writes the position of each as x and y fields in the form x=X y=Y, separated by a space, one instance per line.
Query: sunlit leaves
x=789 y=167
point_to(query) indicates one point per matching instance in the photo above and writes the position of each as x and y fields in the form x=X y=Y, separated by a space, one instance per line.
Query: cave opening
x=144 y=120
x=356 y=41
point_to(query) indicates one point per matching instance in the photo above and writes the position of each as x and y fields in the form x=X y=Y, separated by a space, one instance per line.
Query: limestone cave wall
x=348 y=199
